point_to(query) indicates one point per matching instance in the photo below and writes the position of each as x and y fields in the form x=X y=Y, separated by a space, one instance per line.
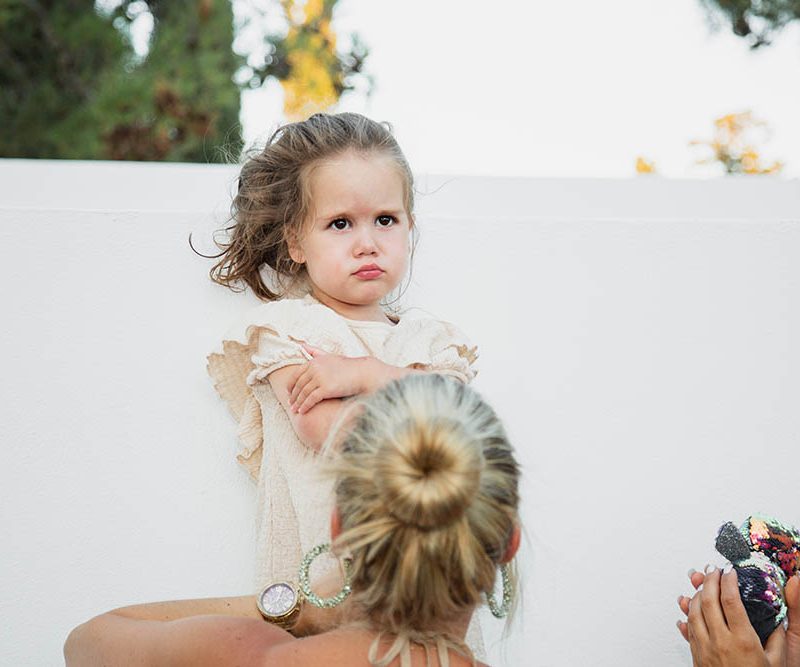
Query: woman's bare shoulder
x=329 y=648
x=341 y=648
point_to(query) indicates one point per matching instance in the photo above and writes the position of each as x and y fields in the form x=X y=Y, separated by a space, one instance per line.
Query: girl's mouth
x=368 y=274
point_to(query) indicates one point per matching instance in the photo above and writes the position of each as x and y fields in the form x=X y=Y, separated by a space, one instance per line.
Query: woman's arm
x=243 y=606
x=112 y=639
x=199 y=632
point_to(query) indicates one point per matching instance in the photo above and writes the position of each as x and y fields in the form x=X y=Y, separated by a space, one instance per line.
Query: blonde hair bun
x=427 y=491
x=428 y=476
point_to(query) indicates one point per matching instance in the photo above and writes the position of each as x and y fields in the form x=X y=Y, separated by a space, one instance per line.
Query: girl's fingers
x=308 y=388
x=311 y=400
x=301 y=383
x=732 y=607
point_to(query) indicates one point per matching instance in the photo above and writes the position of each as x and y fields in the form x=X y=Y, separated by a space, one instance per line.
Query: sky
x=559 y=89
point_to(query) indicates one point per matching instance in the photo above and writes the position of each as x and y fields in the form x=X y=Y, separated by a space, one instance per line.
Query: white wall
x=638 y=337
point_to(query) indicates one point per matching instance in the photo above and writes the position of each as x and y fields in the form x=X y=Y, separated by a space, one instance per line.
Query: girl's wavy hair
x=427 y=488
x=273 y=199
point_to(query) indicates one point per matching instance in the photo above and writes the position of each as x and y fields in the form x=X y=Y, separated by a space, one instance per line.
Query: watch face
x=278 y=599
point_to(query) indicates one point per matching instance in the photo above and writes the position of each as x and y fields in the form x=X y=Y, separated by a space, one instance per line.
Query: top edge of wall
x=147 y=186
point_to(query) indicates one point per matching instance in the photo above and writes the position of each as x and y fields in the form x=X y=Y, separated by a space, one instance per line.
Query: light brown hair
x=427 y=492
x=273 y=202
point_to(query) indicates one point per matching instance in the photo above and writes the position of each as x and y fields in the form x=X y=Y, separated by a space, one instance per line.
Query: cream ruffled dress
x=294 y=499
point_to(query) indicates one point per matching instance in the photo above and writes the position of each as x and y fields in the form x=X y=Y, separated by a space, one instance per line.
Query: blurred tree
x=757 y=20
x=731 y=146
x=305 y=58
x=73 y=86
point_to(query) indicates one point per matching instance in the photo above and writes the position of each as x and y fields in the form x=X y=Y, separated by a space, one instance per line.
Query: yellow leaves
x=314 y=9
x=314 y=81
x=645 y=166
x=730 y=146
x=750 y=161
x=309 y=87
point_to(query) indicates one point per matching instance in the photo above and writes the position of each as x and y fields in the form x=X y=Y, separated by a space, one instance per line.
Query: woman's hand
x=791 y=594
x=719 y=631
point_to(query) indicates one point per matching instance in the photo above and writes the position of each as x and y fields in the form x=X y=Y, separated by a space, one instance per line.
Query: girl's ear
x=295 y=250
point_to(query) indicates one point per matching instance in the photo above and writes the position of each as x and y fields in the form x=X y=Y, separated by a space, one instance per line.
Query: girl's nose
x=365 y=241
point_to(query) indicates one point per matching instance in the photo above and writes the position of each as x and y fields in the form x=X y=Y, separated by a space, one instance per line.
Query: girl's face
x=355 y=244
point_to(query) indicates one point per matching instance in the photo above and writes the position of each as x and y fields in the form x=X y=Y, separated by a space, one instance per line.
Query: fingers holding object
x=698 y=620
x=732 y=607
x=696 y=578
x=710 y=606
x=683 y=628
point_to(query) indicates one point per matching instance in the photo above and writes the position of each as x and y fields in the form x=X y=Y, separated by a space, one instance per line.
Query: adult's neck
x=455 y=627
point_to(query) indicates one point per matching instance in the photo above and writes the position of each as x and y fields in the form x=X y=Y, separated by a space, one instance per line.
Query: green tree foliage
x=72 y=86
x=756 y=20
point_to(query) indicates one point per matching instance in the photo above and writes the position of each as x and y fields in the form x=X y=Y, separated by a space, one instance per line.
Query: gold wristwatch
x=280 y=604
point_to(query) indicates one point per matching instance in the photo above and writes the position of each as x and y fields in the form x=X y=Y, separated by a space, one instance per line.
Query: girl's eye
x=385 y=220
x=340 y=224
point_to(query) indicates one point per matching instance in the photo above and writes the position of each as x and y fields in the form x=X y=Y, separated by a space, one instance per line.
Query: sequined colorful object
x=764 y=553
x=779 y=542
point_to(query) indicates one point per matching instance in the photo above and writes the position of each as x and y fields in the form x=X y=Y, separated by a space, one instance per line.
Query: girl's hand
x=328 y=376
x=719 y=631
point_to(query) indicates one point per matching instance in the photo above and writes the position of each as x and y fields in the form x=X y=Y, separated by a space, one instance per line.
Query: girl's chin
x=366 y=293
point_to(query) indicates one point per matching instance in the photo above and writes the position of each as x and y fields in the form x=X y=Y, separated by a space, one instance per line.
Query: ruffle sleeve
x=267 y=338
x=437 y=346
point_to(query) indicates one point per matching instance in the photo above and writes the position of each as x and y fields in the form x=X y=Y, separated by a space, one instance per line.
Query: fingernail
x=691 y=572
x=727 y=568
x=678 y=624
x=709 y=569
x=700 y=588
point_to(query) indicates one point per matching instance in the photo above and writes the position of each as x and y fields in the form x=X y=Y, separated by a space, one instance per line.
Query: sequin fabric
x=764 y=553
x=777 y=541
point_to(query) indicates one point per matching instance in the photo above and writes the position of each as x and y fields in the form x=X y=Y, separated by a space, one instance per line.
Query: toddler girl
x=327 y=206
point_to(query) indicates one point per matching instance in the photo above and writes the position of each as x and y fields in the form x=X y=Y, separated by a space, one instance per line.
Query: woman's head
x=427 y=499
x=339 y=182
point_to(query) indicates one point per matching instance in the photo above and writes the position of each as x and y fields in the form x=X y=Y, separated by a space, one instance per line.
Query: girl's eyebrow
x=343 y=214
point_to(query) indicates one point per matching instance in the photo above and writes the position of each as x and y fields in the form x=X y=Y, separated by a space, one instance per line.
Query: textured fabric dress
x=294 y=499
